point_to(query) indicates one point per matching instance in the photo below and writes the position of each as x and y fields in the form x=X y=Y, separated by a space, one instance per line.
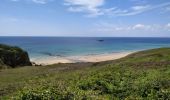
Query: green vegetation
x=143 y=75
x=12 y=57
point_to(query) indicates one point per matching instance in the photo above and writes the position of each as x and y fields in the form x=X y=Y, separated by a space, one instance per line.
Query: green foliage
x=143 y=76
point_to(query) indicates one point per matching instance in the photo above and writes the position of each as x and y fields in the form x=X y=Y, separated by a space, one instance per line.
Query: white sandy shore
x=86 y=58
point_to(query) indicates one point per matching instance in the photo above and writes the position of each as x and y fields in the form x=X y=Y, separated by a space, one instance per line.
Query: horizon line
x=95 y=36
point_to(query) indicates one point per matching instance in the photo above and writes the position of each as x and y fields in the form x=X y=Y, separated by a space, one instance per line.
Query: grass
x=142 y=75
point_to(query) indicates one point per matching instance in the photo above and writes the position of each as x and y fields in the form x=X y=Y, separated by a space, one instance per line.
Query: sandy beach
x=85 y=58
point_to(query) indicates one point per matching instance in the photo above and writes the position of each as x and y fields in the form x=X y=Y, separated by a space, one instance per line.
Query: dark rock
x=47 y=53
x=13 y=56
x=100 y=40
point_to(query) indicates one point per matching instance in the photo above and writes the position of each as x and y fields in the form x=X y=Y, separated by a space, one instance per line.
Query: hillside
x=142 y=75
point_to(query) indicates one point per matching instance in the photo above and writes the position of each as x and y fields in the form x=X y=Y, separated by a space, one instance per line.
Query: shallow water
x=74 y=46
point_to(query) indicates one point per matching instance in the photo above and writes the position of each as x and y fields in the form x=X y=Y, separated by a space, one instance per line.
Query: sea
x=76 y=46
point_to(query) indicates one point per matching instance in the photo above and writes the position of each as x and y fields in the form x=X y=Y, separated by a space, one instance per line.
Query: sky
x=89 y=18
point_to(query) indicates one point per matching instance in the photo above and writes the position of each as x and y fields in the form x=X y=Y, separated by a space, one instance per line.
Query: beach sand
x=85 y=58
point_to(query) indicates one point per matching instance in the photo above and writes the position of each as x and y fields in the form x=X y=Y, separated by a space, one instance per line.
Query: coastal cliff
x=13 y=56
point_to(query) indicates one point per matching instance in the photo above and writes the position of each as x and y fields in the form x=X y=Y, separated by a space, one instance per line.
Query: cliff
x=13 y=56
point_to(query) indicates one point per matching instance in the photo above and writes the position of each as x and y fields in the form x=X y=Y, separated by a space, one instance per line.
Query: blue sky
x=117 y=18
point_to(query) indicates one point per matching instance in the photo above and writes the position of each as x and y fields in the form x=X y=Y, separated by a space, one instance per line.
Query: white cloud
x=139 y=1
x=135 y=10
x=93 y=8
x=141 y=27
x=168 y=26
x=40 y=1
x=140 y=7
x=167 y=9
x=87 y=3
x=108 y=27
x=89 y=6
x=96 y=8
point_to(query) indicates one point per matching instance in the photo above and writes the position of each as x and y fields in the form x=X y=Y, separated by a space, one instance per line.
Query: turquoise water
x=73 y=46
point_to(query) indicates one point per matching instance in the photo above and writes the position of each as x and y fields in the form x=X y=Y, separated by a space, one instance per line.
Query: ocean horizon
x=45 y=47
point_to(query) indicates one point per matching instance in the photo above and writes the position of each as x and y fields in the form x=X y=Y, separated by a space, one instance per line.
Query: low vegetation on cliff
x=13 y=56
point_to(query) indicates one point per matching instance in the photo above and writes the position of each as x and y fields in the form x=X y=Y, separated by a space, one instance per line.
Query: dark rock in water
x=100 y=40
x=47 y=53
x=51 y=54
x=13 y=56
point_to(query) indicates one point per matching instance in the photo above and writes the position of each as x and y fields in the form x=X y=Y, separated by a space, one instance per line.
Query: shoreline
x=82 y=58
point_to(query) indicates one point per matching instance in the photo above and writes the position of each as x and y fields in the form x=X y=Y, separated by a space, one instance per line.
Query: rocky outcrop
x=13 y=56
